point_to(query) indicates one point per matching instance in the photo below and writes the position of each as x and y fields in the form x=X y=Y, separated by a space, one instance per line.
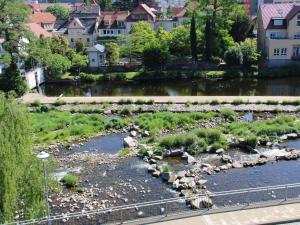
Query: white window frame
x=278 y=20
x=276 y=51
x=283 y=51
x=297 y=35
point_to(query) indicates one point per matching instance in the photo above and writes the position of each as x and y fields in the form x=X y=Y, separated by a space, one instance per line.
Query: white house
x=34 y=77
x=96 y=55
x=1 y=53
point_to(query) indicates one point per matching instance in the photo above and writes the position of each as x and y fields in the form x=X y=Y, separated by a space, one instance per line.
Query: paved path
x=159 y=99
x=267 y=215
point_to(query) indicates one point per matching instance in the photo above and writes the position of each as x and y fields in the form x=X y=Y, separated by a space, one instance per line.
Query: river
x=186 y=87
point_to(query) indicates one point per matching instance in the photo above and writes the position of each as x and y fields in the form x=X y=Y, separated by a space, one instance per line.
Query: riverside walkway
x=279 y=214
x=158 y=99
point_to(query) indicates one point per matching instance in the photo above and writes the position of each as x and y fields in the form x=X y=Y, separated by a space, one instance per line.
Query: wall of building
x=35 y=77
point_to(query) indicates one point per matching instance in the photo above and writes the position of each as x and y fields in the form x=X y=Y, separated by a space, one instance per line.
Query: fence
x=178 y=208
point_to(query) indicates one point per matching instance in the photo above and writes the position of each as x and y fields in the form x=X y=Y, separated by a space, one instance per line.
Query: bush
x=215 y=102
x=125 y=112
x=124 y=152
x=125 y=101
x=251 y=141
x=228 y=113
x=89 y=77
x=233 y=56
x=272 y=102
x=59 y=102
x=237 y=102
x=116 y=124
x=45 y=108
x=70 y=180
x=143 y=151
x=249 y=52
x=35 y=103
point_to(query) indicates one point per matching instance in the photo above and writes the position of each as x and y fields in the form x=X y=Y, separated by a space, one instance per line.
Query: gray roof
x=87 y=23
x=97 y=48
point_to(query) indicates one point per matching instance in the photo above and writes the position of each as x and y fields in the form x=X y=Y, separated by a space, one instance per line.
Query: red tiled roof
x=42 y=18
x=112 y=17
x=148 y=10
x=37 y=30
x=270 y=11
x=178 y=12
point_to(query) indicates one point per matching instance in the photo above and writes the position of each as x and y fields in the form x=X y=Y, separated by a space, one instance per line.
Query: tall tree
x=193 y=37
x=59 y=11
x=13 y=15
x=105 y=4
x=241 y=26
x=112 y=53
x=21 y=179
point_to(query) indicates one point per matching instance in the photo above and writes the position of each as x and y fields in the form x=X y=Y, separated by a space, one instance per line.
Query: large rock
x=226 y=159
x=174 y=153
x=133 y=133
x=220 y=151
x=191 y=160
x=237 y=164
x=152 y=168
x=201 y=202
x=181 y=174
x=130 y=142
x=201 y=182
x=156 y=173
x=166 y=175
x=172 y=178
x=292 y=136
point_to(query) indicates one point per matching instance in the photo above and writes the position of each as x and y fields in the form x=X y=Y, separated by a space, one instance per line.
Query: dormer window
x=121 y=24
x=277 y=22
x=106 y=22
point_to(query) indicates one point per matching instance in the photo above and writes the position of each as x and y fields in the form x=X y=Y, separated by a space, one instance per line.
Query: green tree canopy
x=58 y=10
x=112 y=53
x=79 y=46
x=155 y=56
x=21 y=179
x=180 y=41
x=241 y=26
x=57 y=65
x=79 y=61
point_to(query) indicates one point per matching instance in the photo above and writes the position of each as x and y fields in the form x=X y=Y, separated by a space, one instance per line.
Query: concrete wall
x=96 y=59
x=35 y=77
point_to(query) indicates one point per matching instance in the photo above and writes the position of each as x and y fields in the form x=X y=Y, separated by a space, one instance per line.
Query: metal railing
x=178 y=208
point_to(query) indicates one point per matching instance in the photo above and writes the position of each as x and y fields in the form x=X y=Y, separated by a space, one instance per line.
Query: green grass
x=52 y=127
x=195 y=141
x=70 y=180
x=124 y=152
x=158 y=121
x=228 y=114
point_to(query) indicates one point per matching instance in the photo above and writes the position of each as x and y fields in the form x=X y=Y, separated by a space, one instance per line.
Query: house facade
x=2 y=66
x=278 y=34
x=45 y=19
x=96 y=56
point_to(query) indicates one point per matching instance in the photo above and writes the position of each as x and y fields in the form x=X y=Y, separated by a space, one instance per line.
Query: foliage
x=193 y=37
x=180 y=41
x=70 y=180
x=155 y=122
x=53 y=126
x=79 y=46
x=251 y=141
x=249 y=51
x=21 y=179
x=228 y=113
x=59 y=11
x=57 y=65
x=155 y=57
x=79 y=61
x=233 y=56
x=116 y=123
x=112 y=53
x=11 y=80
x=35 y=103
x=241 y=26
x=105 y=4
x=167 y=168
x=59 y=102
x=124 y=152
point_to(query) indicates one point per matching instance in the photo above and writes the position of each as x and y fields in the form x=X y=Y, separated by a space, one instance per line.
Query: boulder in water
x=130 y=142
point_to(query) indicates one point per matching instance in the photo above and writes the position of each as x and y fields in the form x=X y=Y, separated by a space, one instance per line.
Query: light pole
x=43 y=156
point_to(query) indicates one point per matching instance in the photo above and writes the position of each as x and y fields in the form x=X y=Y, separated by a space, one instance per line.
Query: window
x=284 y=51
x=104 y=31
x=277 y=22
x=278 y=35
x=72 y=40
x=298 y=20
x=297 y=36
x=93 y=60
x=174 y=25
x=106 y=22
x=276 y=51
x=111 y=31
x=119 y=31
x=121 y=24
x=88 y=39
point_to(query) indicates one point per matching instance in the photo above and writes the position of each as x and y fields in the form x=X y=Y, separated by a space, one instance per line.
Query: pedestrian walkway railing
x=179 y=207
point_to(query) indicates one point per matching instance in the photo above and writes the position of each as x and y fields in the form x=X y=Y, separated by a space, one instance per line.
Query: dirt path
x=158 y=99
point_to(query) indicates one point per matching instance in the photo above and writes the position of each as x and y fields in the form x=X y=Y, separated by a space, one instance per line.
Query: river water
x=189 y=87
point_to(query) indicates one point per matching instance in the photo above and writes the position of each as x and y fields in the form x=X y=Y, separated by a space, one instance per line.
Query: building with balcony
x=278 y=33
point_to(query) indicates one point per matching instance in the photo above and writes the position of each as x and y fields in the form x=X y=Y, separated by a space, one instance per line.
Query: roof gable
x=42 y=18
x=96 y=48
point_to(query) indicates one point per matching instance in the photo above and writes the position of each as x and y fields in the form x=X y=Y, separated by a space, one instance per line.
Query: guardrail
x=178 y=207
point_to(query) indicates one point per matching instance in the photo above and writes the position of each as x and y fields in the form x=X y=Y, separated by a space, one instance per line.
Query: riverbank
x=30 y=97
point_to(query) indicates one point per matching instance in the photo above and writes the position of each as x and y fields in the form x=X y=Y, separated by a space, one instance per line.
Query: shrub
x=35 y=103
x=167 y=168
x=228 y=113
x=150 y=102
x=139 y=102
x=124 y=101
x=70 y=180
x=158 y=150
x=251 y=141
x=188 y=103
x=45 y=108
x=125 y=112
x=80 y=190
x=143 y=151
x=89 y=77
x=237 y=102
x=59 y=102
x=272 y=102
x=124 y=152
x=214 y=102
x=233 y=56
x=116 y=124
x=249 y=52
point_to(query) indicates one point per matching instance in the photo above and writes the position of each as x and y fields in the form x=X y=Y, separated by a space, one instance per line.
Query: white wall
x=33 y=75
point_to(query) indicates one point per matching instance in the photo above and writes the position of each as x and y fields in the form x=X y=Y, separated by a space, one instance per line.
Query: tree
x=180 y=41
x=79 y=61
x=241 y=26
x=155 y=56
x=141 y=34
x=215 y=22
x=249 y=51
x=193 y=37
x=57 y=65
x=59 y=11
x=58 y=45
x=112 y=53
x=164 y=37
x=79 y=46
x=11 y=80
x=233 y=56
x=21 y=179
x=13 y=15
x=105 y=4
